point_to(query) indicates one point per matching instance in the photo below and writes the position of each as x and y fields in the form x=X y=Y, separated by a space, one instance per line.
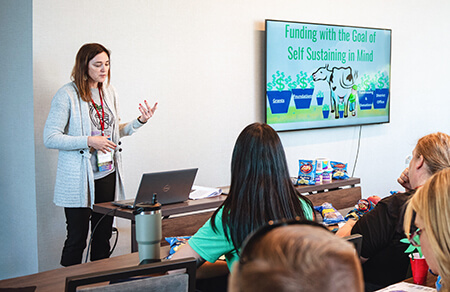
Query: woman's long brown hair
x=80 y=70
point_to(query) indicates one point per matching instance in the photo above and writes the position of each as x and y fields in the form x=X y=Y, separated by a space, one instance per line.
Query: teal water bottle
x=148 y=230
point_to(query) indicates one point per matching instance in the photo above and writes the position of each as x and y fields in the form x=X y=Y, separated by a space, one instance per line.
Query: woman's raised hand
x=146 y=111
x=403 y=180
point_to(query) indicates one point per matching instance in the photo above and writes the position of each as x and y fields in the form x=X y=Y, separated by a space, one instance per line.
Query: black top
x=382 y=229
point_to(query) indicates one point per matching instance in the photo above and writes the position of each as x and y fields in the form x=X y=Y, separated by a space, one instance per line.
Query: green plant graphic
x=411 y=248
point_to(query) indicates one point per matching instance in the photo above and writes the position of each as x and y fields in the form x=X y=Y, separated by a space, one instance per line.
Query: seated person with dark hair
x=261 y=190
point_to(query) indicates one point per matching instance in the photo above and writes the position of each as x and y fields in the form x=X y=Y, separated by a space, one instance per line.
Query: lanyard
x=100 y=117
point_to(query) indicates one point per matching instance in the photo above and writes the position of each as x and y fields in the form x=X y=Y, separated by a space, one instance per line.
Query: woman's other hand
x=403 y=180
x=146 y=111
x=101 y=143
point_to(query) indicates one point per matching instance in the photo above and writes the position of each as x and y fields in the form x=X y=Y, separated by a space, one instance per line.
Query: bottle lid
x=147 y=206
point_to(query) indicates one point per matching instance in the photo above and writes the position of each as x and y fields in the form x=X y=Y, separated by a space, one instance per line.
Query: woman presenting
x=83 y=124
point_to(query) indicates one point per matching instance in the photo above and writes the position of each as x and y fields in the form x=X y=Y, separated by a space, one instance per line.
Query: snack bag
x=320 y=165
x=374 y=199
x=306 y=172
x=339 y=170
x=327 y=176
x=362 y=207
x=327 y=173
x=319 y=177
x=329 y=213
x=176 y=243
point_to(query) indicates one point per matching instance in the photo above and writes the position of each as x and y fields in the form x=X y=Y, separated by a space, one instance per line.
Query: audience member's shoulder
x=397 y=199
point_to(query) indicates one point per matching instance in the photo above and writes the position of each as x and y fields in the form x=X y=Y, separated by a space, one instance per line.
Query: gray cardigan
x=67 y=129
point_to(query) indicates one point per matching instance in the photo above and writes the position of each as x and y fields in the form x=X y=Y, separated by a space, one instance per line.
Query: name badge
x=104 y=161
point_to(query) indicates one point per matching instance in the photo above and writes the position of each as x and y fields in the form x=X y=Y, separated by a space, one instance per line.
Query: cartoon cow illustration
x=341 y=81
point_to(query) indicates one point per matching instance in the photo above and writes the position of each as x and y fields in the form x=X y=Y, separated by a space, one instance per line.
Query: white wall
x=203 y=62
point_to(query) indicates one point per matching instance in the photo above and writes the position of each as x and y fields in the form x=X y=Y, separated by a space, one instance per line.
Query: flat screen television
x=322 y=75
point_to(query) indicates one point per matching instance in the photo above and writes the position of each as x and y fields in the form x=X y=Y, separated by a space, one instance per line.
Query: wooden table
x=166 y=210
x=195 y=214
x=334 y=185
x=341 y=194
x=55 y=280
x=430 y=282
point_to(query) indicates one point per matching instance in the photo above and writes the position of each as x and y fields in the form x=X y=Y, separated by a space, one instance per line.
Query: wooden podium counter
x=341 y=193
x=179 y=219
x=184 y=219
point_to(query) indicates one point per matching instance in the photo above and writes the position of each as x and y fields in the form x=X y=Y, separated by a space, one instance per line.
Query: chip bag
x=329 y=213
x=339 y=170
x=175 y=244
x=306 y=172
x=362 y=207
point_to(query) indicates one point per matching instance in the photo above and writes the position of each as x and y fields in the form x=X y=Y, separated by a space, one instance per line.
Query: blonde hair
x=299 y=258
x=435 y=149
x=432 y=203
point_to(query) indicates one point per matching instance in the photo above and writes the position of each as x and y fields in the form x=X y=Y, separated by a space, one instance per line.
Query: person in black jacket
x=383 y=255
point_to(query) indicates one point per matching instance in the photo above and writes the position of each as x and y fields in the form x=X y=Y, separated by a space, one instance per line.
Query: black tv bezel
x=329 y=126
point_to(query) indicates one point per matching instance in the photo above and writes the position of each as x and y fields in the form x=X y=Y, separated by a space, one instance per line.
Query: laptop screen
x=169 y=186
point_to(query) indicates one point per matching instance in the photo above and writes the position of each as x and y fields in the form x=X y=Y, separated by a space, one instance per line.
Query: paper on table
x=406 y=287
x=199 y=192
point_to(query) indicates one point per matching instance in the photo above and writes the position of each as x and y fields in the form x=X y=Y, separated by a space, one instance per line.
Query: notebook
x=170 y=187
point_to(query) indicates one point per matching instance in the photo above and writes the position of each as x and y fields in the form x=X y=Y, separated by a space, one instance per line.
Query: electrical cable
x=93 y=231
x=115 y=242
x=357 y=151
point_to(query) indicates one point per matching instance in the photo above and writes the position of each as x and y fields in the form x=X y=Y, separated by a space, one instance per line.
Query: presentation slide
x=320 y=76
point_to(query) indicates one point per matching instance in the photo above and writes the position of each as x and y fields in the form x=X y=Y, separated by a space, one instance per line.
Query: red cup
x=419 y=269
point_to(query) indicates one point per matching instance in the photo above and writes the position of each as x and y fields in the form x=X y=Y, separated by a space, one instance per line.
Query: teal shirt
x=211 y=245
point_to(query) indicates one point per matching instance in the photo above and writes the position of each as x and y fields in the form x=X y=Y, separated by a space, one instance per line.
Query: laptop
x=170 y=187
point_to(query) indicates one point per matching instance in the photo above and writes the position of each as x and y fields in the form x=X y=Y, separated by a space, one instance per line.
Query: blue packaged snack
x=306 y=172
x=329 y=213
x=339 y=170
x=362 y=207
x=175 y=243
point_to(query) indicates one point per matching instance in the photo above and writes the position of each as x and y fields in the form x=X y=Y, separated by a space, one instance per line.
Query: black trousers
x=77 y=224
